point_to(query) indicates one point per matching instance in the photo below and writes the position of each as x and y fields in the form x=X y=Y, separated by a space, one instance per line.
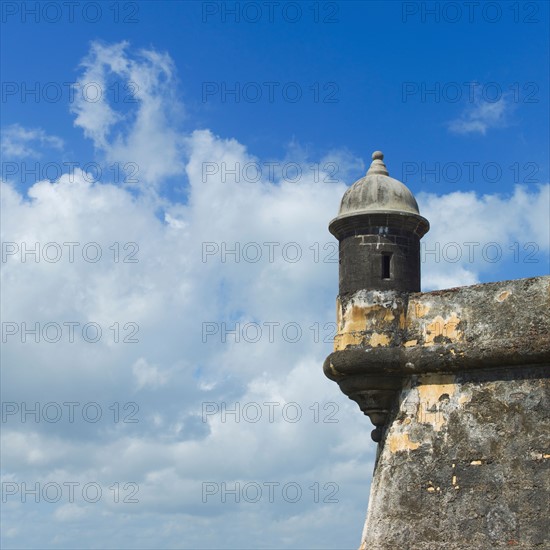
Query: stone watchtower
x=456 y=383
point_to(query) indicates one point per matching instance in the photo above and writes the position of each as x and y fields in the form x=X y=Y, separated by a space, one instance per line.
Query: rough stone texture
x=465 y=464
x=458 y=383
x=366 y=239
x=467 y=327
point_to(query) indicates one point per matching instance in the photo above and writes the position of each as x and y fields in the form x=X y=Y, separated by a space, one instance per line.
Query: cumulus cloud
x=126 y=104
x=493 y=228
x=170 y=293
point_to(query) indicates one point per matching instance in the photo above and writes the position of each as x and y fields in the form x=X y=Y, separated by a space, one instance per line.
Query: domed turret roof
x=377 y=192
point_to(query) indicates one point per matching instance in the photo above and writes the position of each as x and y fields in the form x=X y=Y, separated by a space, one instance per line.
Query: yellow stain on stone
x=442 y=327
x=356 y=319
x=503 y=295
x=378 y=316
x=379 y=340
x=363 y=317
x=429 y=392
x=343 y=340
x=420 y=310
x=402 y=320
x=410 y=343
x=399 y=441
x=476 y=463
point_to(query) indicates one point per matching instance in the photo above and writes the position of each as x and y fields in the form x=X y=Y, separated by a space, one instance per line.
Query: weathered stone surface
x=385 y=336
x=468 y=327
x=465 y=464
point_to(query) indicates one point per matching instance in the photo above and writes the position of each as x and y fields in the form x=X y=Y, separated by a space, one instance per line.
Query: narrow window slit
x=386 y=261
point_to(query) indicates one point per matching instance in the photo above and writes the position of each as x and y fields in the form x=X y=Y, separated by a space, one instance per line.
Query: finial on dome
x=378 y=166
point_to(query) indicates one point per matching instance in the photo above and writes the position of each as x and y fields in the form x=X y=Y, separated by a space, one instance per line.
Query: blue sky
x=369 y=52
x=458 y=102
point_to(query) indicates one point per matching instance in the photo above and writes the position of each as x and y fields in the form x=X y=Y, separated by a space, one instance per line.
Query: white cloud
x=468 y=232
x=69 y=512
x=481 y=116
x=18 y=142
x=148 y=375
x=128 y=107
x=169 y=293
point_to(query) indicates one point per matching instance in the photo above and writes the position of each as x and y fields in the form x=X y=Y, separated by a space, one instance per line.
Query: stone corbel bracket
x=383 y=337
